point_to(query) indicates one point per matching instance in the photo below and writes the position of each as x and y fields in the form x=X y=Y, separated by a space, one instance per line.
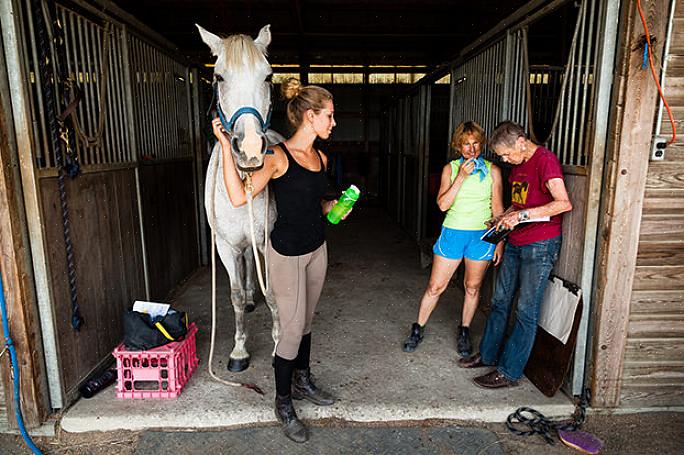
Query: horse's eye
x=218 y=78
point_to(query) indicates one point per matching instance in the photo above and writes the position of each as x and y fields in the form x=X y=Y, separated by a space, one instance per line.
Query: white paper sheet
x=152 y=308
x=558 y=309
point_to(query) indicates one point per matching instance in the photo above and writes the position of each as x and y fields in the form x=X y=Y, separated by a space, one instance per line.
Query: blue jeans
x=525 y=268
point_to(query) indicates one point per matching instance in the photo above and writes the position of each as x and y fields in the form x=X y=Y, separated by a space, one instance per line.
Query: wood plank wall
x=569 y=264
x=168 y=201
x=105 y=231
x=654 y=355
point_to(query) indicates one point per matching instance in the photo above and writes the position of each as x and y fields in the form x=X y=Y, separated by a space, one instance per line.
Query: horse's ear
x=264 y=38
x=214 y=42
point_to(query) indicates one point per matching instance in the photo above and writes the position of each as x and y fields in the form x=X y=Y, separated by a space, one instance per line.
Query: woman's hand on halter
x=220 y=133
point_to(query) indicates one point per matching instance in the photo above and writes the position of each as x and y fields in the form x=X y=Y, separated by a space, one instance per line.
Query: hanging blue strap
x=645 y=63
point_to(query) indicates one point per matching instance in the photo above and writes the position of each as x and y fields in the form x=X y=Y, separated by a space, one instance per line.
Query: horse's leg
x=230 y=256
x=250 y=284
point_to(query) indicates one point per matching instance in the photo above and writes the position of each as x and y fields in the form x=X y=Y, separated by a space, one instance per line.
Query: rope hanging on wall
x=566 y=74
x=59 y=137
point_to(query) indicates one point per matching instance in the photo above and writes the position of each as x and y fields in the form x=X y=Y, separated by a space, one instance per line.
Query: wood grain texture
x=654 y=357
x=569 y=264
x=628 y=147
x=108 y=258
x=16 y=270
x=170 y=225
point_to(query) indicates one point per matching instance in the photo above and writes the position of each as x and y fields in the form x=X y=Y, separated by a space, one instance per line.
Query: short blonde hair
x=462 y=130
x=302 y=98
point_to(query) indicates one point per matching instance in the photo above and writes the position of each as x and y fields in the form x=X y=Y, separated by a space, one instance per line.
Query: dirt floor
x=655 y=433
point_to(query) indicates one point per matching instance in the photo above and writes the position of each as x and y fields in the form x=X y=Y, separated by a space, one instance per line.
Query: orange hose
x=655 y=76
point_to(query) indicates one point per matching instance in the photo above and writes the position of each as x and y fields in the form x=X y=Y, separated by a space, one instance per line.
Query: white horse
x=244 y=102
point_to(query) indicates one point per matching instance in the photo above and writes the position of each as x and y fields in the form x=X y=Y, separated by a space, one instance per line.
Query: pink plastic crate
x=158 y=373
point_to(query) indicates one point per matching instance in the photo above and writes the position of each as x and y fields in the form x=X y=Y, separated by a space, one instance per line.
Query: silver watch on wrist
x=523 y=215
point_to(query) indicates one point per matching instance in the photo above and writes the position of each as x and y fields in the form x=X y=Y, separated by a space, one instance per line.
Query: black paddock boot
x=414 y=338
x=286 y=415
x=463 y=346
x=303 y=388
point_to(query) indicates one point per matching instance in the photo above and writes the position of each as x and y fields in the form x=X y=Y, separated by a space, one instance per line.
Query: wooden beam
x=17 y=279
x=634 y=98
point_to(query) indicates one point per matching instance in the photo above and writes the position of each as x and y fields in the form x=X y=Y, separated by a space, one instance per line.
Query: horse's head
x=243 y=93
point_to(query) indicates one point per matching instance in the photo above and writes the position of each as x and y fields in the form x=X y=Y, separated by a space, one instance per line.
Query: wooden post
x=634 y=100
x=17 y=278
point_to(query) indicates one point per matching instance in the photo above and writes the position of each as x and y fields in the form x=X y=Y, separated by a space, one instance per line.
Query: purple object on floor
x=581 y=440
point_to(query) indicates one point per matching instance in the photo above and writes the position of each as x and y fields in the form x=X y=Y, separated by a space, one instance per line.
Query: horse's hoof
x=250 y=307
x=238 y=365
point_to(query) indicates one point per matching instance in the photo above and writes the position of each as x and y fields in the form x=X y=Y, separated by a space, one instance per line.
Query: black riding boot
x=464 y=347
x=291 y=425
x=303 y=388
x=414 y=338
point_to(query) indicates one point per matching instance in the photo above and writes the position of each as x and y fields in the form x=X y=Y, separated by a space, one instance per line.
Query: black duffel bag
x=142 y=333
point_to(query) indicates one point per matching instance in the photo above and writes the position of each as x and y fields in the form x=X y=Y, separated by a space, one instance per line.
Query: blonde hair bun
x=291 y=88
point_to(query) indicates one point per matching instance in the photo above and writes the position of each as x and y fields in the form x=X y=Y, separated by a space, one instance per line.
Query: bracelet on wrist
x=523 y=215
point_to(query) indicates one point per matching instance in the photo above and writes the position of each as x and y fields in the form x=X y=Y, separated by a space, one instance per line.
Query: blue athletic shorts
x=457 y=244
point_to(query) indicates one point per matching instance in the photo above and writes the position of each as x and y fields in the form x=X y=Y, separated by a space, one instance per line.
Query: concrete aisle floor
x=368 y=304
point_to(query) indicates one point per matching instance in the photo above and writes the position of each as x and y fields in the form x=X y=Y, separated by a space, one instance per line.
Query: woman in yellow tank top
x=471 y=194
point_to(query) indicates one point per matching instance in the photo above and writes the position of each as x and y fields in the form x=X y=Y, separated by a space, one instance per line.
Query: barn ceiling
x=420 y=32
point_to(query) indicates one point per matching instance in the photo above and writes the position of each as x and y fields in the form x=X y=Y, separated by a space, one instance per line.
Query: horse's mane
x=240 y=53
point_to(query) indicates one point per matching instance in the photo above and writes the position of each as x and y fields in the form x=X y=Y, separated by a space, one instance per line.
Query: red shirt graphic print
x=528 y=190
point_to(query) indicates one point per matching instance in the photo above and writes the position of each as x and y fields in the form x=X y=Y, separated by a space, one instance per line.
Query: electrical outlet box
x=658 y=150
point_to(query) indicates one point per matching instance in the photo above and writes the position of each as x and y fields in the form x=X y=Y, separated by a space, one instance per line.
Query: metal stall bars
x=103 y=52
x=580 y=119
x=406 y=135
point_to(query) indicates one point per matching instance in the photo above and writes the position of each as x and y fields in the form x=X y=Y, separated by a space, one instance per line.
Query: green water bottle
x=344 y=204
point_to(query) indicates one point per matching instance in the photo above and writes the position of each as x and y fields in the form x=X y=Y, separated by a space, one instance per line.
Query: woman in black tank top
x=298 y=252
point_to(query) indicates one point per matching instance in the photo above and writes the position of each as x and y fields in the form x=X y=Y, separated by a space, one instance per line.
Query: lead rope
x=249 y=386
x=58 y=134
x=249 y=189
x=543 y=426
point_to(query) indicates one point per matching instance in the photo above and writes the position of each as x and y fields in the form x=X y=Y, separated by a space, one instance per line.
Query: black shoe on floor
x=464 y=347
x=286 y=415
x=414 y=338
x=303 y=388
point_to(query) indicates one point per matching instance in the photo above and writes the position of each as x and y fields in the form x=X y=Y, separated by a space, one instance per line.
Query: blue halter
x=230 y=124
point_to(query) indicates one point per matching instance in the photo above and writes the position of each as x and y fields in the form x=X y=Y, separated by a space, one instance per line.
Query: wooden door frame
x=634 y=102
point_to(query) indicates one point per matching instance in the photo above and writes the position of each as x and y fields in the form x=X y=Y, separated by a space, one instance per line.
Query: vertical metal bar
x=35 y=93
x=106 y=144
x=587 y=88
x=84 y=106
x=578 y=79
x=166 y=97
x=12 y=37
x=124 y=154
x=139 y=101
x=171 y=102
x=603 y=76
x=193 y=81
x=506 y=99
x=154 y=139
x=162 y=145
x=100 y=109
x=114 y=98
x=73 y=70
x=132 y=140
